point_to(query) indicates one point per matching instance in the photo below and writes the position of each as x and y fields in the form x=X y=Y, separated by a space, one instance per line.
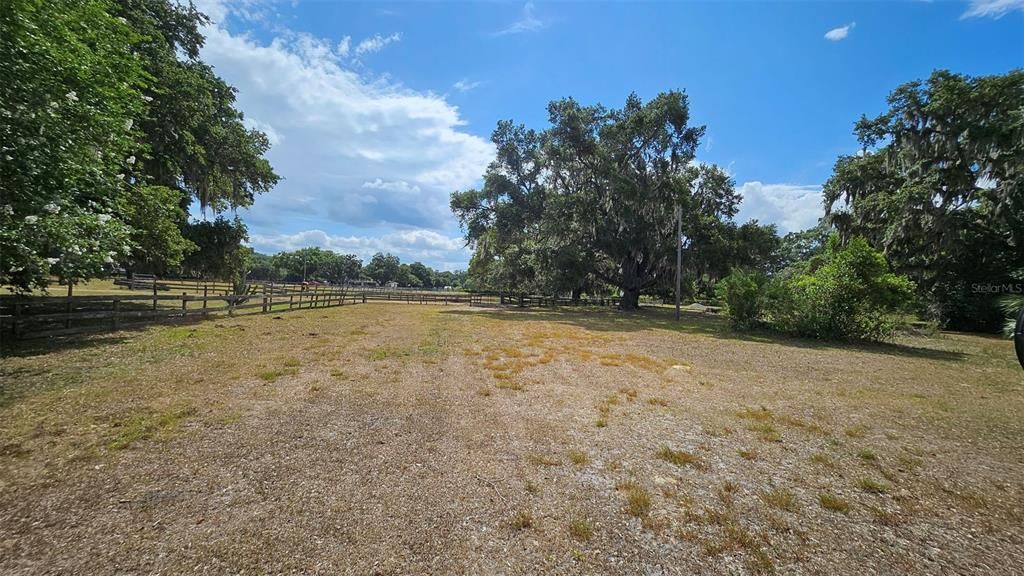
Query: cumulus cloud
x=408 y=245
x=992 y=8
x=360 y=155
x=528 y=22
x=790 y=207
x=465 y=85
x=376 y=43
x=837 y=34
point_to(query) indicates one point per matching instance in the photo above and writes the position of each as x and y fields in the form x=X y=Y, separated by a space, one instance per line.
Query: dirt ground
x=419 y=439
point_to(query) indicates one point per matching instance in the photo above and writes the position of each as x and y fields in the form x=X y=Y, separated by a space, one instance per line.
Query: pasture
x=392 y=438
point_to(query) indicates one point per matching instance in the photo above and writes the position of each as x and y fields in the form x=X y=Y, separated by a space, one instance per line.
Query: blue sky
x=377 y=111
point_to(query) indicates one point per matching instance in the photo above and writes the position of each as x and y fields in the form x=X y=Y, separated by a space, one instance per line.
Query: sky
x=377 y=111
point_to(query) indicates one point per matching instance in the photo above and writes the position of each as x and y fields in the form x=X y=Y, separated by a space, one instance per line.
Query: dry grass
x=679 y=457
x=834 y=503
x=379 y=414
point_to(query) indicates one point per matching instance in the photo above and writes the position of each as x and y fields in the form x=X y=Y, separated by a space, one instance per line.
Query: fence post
x=231 y=305
x=291 y=301
x=364 y=297
x=117 y=314
x=154 y=292
x=16 y=321
x=205 y=292
x=184 y=304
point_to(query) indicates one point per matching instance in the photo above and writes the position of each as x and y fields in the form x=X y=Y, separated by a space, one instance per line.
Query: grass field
x=393 y=439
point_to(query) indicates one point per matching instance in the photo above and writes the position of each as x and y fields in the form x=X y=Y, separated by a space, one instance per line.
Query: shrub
x=846 y=294
x=742 y=293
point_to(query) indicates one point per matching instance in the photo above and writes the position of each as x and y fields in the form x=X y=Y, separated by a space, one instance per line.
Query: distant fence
x=43 y=316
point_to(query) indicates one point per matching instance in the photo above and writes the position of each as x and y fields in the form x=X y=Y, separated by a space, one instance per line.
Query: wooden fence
x=41 y=316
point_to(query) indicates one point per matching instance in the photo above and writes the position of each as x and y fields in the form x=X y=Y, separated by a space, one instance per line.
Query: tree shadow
x=697 y=323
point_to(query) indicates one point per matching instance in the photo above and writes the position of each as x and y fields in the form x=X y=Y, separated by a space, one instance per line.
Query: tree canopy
x=939 y=187
x=111 y=127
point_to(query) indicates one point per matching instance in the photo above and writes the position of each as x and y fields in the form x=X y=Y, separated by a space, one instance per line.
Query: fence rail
x=41 y=316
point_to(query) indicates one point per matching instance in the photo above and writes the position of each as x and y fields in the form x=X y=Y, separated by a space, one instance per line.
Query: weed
x=600 y=422
x=747 y=454
x=580 y=529
x=834 y=503
x=543 y=460
x=679 y=457
x=873 y=486
x=766 y=432
x=657 y=402
x=532 y=488
x=857 y=431
x=578 y=457
x=638 y=500
x=885 y=517
x=522 y=521
x=780 y=498
x=292 y=363
x=822 y=459
x=630 y=393
x=485 y=392
x=867 y=455
x=760 y=415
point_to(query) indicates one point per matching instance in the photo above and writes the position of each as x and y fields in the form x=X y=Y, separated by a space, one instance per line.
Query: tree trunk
x=630 y=299
x=576 y=293
x=630 y=269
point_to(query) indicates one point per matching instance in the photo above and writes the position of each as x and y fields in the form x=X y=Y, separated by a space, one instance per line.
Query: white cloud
x=360 y=155
x=788 y=206
x=992 y=8
x=837 y=34
x=465 y=85
x=408 y=245
x=529 y=22
x=376 y=43
x=344 y=46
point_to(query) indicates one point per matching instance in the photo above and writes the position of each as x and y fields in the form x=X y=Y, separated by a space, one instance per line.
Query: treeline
x=316 y=264
x=926 y=219
x=111 y=128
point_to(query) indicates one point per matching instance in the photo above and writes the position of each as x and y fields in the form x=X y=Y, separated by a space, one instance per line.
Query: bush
x=848 y=294
x=741 y=292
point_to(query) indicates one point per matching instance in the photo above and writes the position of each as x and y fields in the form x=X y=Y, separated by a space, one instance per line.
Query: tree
x=423 y=274
x=939 y=187
x=194 y=138
x=69 y=92
x=383 y=268
x=219 y=252
x=592 y=199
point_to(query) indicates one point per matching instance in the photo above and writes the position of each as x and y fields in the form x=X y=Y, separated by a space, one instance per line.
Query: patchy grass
x=679 y=457
x=270 y=376
x=578 y=457
x=833 y=503
x=858 y=431
x=396 y=404
x=523 y=520
x=638 y=499
x=867 y=455
x=781 y=499
x=141 y=426
x=747 y=454
x=543 y=460
x=822 y=459
x=765 y=431
x=873 y=486
x=580 y=529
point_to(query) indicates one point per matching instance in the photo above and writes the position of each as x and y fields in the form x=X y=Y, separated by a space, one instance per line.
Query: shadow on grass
x=697 y=323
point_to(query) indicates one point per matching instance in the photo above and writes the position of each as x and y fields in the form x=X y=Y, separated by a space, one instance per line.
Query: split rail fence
x=43 y=316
